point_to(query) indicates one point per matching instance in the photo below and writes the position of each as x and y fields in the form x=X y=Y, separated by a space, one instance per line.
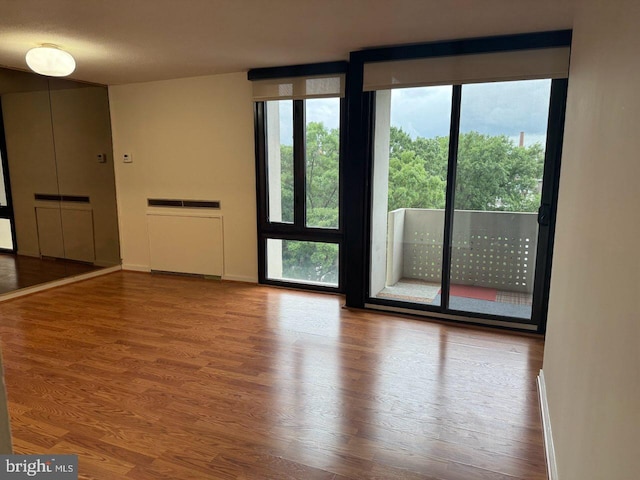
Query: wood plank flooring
x=20 y=271
x=161 y=377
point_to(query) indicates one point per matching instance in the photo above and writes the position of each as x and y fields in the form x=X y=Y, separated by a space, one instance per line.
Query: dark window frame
x=6 y=212
x=298 y=229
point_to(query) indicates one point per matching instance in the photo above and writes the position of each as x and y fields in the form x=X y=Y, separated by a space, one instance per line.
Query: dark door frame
x=358 y=169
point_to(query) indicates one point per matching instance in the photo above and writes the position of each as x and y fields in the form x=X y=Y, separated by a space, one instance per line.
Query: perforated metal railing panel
x=423 y=255
x=489 y=249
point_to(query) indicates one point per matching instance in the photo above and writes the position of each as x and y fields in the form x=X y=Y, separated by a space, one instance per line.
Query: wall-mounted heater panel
x=66 y=231
x=185 y=242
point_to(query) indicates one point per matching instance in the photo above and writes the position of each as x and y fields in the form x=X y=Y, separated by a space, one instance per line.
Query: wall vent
x=62 y=198
x=47 y=197
x=174 y=203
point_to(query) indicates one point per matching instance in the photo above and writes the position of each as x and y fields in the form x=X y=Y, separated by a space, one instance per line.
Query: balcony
x=492 y=264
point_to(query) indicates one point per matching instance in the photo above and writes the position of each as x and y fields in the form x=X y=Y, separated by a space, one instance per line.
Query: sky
x=499 y=108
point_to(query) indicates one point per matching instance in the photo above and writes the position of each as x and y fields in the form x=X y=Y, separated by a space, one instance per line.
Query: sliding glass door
x=409 y=193
x=457 y=183
x=498 y=187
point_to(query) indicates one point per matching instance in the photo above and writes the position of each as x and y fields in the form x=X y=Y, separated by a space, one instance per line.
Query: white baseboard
x=240 y=278
x=105 y=264
x=132 y=267
x=552 y=468
x=145 y=268
x=58 y=283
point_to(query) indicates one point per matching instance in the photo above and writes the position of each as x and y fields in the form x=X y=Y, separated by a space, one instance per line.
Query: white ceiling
x=125 y=41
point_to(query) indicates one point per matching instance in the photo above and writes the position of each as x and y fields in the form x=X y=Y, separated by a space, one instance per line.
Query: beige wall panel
x=49 y=227
x=200 y=252
x=77 y=231
x=189 y=139
x=592 y=352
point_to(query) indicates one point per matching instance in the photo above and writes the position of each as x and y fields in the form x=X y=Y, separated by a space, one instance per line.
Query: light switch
x=102 y=158
x=127 y=158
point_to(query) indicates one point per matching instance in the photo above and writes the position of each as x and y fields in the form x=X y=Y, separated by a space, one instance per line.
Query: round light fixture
x=50 y=60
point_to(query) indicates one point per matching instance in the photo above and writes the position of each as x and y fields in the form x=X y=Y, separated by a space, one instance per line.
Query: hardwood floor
x=149 y=377
x=19 y=271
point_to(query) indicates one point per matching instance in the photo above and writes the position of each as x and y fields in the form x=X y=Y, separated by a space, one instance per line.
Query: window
x=279 y=157
x=322 y=162
x=298 y=149
x=314 y=263
x=6 y=235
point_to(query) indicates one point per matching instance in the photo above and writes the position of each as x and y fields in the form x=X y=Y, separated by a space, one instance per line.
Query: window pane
x=6 y=238
x=503 y=130
x=322 y=162
x=303 y=262
x=411 y=151
x=279 y=152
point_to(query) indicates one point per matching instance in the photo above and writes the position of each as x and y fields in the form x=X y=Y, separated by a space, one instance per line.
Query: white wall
x=379 y=208
x=592 y=352
x=190 y=138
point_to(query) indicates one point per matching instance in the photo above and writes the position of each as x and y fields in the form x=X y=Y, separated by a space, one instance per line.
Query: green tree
x=493 y=174
x=312 y=261
x=308 y=260
x=322 y=176
x=286 y=182
x=411 y=185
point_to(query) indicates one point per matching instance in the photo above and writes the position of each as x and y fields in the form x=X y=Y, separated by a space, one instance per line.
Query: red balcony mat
x=468 y=291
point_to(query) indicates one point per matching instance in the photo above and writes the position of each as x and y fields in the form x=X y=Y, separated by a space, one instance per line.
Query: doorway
x=464 y=177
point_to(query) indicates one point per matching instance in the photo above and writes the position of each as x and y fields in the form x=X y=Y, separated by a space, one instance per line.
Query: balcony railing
x=489 y=249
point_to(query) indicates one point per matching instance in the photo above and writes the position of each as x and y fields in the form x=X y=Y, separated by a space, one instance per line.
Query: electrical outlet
x=102 y=158
x=127 y=158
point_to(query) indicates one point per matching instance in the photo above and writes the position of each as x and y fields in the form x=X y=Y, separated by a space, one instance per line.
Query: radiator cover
x=186 y=243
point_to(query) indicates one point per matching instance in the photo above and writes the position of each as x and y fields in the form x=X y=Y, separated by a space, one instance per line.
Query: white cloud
x=499 y=108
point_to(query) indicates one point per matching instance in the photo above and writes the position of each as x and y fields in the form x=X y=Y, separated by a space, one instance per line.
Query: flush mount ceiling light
x=50 y=60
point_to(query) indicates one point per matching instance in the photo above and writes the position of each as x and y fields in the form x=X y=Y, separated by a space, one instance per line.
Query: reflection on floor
x=462 y=297
x=18 y=271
